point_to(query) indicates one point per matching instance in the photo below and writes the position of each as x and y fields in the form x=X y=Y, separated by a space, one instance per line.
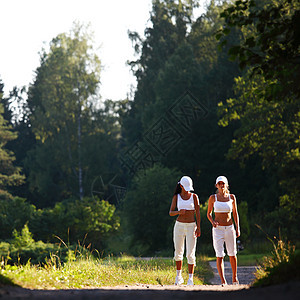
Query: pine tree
x=9 y=174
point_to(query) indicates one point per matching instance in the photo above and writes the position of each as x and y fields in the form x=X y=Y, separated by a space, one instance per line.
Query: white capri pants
x=185 y=232
x=225 y=234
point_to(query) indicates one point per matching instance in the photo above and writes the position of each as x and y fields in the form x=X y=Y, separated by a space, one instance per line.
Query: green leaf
x=234 y=51
x=218 y=36
x=250 y=42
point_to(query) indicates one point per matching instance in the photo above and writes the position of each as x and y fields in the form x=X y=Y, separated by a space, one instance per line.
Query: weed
x=88 y=271
x=281 y=255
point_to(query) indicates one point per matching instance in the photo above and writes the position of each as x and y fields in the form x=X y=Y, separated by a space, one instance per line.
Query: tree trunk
x=79 y=157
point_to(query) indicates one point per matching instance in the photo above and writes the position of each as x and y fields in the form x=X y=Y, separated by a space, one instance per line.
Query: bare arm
x=235 y=215
x=198 y=217
x=174 y=212
x=211 y=201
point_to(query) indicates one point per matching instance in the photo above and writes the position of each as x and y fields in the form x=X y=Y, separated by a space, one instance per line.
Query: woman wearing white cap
x=186 y=228
x=223 y=203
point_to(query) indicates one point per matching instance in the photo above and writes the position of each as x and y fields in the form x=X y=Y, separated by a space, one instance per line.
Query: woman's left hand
x=237 y=232
x=197 y=232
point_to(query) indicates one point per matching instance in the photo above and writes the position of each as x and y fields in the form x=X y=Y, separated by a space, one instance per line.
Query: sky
x=27 y=26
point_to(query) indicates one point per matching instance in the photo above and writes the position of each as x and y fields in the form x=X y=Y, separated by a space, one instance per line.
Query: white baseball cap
x=223 y=179
x=187 y=183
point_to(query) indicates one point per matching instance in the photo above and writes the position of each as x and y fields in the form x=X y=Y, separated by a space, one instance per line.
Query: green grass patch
x=94 y=273
x=243 y=259
x=250 y=259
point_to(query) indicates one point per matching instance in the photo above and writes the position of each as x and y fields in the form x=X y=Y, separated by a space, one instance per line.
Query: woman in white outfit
x=186 y=228
x=224 y=204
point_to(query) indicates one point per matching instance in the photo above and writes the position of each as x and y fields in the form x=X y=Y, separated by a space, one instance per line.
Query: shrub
x=284 y=271
x=14 y=213
x=282 y=266
x=85 y=221
x=244 y=223
x=23 y=248
x=146 y=208
x=22 y=239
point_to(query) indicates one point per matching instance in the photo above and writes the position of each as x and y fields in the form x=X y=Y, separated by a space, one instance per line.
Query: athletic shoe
x=190 y=282
x=178 y=280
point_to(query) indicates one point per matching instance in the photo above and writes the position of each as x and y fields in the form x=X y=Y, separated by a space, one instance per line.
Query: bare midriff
x=224 y=219
x=188 y=217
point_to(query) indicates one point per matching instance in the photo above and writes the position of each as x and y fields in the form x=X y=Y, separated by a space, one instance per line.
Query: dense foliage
x=267 y=99
x=87 y=222
x=215 y=95
x=9 y=173
x=148 y=201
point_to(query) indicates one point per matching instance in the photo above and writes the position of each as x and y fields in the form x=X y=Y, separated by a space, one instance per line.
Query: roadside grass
x=245 y=259
x=283 y=265
x=250 y=259
x=275 y=272
x=89 y=272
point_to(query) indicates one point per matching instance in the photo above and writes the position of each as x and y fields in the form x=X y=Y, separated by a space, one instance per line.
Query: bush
x=244 y=223
x=14 y=213
x=89 y=221
x=285 y=271
x=22 y=248
x=206 y=227
x=282 y=266
x=285 y=217
x=146 y=208
x=36 y=253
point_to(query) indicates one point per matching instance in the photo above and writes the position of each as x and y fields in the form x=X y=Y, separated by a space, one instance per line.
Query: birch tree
x=60 y=100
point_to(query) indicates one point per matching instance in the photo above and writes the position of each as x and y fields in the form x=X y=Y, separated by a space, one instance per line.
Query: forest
x=218 y=95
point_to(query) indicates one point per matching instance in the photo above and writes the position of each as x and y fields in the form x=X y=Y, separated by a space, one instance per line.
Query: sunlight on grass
x=243 y=259
x=92 y=273
x=250 y=259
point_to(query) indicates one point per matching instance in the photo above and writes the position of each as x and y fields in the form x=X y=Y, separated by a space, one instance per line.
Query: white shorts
x=185 y=232
x=227 y=235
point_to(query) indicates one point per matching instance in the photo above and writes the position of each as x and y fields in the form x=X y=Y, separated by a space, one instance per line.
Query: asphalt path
x=245 y=274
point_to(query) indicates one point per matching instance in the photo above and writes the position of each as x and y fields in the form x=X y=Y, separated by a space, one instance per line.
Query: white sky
x=29 y=25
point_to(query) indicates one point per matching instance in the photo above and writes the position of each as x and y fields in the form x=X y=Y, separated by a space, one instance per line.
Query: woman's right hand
x=182 y=212
x=215 y=223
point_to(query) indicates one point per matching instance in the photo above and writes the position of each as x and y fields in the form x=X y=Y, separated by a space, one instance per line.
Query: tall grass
x=282 y=265
x=90 y=272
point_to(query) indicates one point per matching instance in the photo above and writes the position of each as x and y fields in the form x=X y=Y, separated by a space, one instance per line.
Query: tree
x=266 y=106
x=16 y=114
x=271 y=41
x=268 y=129
x=60 y=102
x=146 y=207
x=170 y=20
x=9 y=174
x=268 y=94
x=191 y=64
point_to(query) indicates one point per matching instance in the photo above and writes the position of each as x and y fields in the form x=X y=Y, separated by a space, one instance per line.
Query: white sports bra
x=223 y=207
x=185 y=204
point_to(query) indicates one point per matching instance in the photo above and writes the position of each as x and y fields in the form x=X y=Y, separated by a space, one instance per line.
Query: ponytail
x=177 y=189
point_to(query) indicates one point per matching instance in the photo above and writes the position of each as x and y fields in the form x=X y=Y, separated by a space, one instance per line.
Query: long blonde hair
x=227 y=192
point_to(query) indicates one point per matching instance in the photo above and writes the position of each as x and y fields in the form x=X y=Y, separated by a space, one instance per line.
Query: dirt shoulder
x=288 y=291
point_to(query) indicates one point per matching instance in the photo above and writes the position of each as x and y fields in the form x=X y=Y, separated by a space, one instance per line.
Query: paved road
x=245 y=274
